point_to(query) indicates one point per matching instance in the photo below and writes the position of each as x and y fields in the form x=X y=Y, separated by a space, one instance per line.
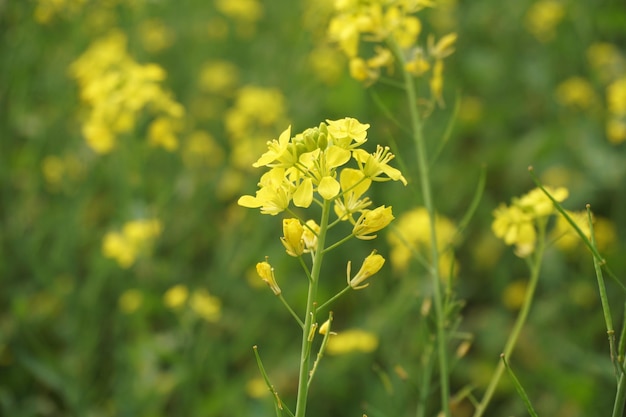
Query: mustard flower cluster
x=308 y=167
x=517 y=224
x=134 y=238
x=383 y=23
x=117 y=89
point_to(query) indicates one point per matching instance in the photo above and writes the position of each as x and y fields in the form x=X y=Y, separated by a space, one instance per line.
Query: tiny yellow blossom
x=353 y=184
x=353 y=340
x=443 y=48
x=176 y=296
x=372 y=221
x=538 y=203
x=371 y=265
x=292 y=237
x=515 y=227
x=266 y=272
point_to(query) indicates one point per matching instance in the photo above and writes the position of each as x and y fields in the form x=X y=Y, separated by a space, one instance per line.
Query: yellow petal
x=328 y=188
x=304 y=194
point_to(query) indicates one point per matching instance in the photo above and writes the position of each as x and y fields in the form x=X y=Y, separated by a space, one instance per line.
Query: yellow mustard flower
x=576 y=92
x=266 y=272
x=309 y=235
x=371 y=265
x=354 y=184
x=515 y=227
x=130 y=301
x=543 y=17
x=205 y=305
x=353 y=340
x=376 y=164
x=292 y=237
x=412 y=233
x=346 y=130
x=176 y=296
x=372 y=221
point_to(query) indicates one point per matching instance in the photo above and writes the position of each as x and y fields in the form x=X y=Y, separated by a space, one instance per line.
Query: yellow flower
x=176 y=296
x=344 y=131
x=376 y=164
x=218 y=77
x=161 y=132
x=292 y=239
x=443 y=48
x=543 y=17
x=576 y=92
x=274 y=195
x=205 y=305
x=309 y=235
x=537 y=203
x=353 y=184
x=372 y=221
x=130 y=301
x=266 y=272
x=371 y=265
x=353 y=340
x=515 y=227
x=412 y=233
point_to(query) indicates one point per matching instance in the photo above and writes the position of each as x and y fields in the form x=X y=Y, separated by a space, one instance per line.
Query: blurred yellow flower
x=616 y=104
x=130 y=301
x=134 y=239
x=257 y=388
x=116 y=90
x=576 y=92
x=514 y=294
x=247 y=11
x=206 y=305
x=219 y=77
x=607 y=60
x=412 y=233
x=176 y=296
x=517 y=224
x=155 y=35
x=353 y=340
x=543 y=17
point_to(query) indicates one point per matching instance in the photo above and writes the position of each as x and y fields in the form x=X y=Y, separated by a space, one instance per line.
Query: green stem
x=519 y=323
x=422 y=163
x=334 y=297
x=310 y=313
x=620 y=397
x=293 y=313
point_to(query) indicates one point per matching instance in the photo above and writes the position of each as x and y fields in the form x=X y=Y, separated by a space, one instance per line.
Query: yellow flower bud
x=371 y=265
x=266 y=272
x=309 y=236
x=372 y=221
x=292 y=239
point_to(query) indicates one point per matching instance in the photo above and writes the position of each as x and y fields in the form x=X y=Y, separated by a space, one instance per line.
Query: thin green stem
x=309 y=320
x=342 y=241
x=422 y=163
x=334 y=297
x=606 y=309
x=293 y=313
x=620 y=397
x=535 y=269
x=519 y=388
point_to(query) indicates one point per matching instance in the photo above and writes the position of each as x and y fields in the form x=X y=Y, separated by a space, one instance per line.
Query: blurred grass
x=66 y=346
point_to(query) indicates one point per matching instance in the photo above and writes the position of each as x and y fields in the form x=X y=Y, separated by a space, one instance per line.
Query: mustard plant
x=308 y=175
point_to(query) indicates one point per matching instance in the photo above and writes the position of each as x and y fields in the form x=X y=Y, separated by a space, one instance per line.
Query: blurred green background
x=128 y=283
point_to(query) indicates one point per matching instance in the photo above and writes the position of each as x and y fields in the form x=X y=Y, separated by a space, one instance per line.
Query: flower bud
x=309 y=236
x=372 y=221
x=266 y=272
x=292 y=239
x=371 y=265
